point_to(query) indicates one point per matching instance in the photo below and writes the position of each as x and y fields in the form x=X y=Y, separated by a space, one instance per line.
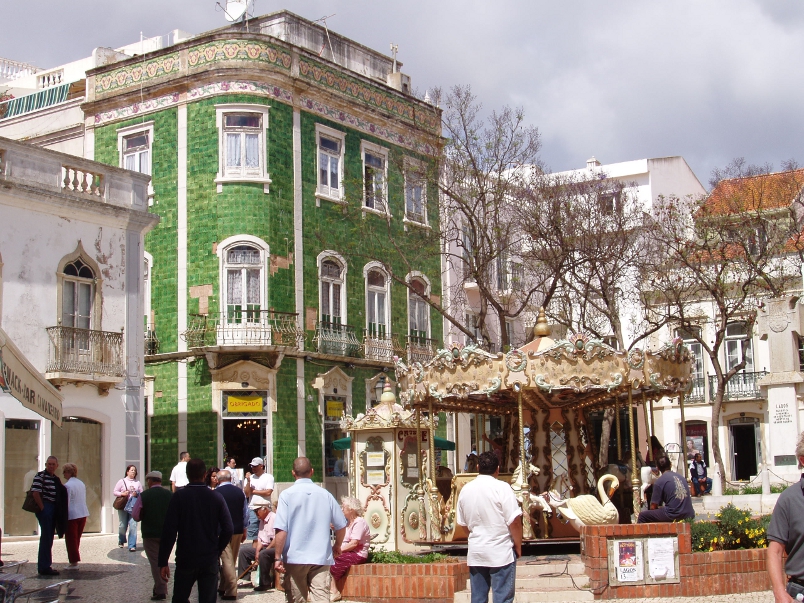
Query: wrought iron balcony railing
x=420 y=349
x=381 y=346
x=151 y=342
x=741 y=386
x=244 y=327
x=337 y=339
x=85 y=352
x=697 y=393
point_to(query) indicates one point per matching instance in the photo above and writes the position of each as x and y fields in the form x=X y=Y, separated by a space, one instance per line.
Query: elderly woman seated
x=355 y=547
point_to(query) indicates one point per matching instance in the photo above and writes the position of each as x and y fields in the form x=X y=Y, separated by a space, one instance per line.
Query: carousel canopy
x=577 y=372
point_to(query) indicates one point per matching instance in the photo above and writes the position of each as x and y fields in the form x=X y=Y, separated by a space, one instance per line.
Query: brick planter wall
x=720 y=572
x=405 y=582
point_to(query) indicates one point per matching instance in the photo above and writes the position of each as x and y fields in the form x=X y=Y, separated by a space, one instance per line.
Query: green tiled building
x=271 y=153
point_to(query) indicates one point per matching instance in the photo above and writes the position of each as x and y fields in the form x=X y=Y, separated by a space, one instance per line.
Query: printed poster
x=661 y=558
x=375 y=459
x=375 y=477
x=628 y=560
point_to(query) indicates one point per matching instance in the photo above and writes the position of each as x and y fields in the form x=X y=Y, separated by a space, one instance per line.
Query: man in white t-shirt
x=489 y=509
x=258 y=487
x=178 y=477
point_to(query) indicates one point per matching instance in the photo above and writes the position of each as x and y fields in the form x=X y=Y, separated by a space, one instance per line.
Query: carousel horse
x=560 y=483
x=521 y=480
x=587 y=509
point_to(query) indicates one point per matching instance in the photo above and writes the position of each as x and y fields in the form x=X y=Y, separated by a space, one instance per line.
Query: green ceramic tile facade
x=286 y=432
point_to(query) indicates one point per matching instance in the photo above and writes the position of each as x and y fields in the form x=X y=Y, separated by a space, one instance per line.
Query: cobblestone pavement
x=107 y=571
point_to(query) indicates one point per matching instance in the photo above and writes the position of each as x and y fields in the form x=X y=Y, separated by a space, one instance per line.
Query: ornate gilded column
x=420 y=485
x=649 y=453
x=524 y=490
x=432 y=491
x=634 y=474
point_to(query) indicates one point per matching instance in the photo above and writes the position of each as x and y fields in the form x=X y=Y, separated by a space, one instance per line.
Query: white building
x=71 y=299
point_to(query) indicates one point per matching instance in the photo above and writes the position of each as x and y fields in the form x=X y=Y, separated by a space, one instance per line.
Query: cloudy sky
x=710 y=81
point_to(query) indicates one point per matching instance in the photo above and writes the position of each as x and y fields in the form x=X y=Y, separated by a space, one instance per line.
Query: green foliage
x=752 y=490
x=731 y=491
x=733 y=529
x=778 y=488
x=378 y=556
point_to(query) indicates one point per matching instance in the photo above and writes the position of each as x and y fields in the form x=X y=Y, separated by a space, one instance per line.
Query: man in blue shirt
x=303 y=517
x=672 y=491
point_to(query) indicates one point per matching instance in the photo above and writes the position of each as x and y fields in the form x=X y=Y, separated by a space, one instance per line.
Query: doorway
x=21 y=464
x=79 y=441
x=744 y=449
x=244 y=439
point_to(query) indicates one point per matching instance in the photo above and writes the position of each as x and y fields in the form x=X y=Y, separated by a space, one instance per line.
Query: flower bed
x=734 y=529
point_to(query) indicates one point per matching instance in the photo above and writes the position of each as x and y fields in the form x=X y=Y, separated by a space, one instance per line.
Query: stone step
x=531 y=569
x=551 y=596
x=534 y=584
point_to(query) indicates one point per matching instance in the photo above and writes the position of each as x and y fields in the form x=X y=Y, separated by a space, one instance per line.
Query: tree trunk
x=717 y=404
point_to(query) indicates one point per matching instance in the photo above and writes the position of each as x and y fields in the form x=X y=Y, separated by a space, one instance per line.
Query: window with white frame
x=738 y=346
x=330 y=163
x=244 y=288
x=418 y=310
x=134 y=146
x=243 y=135
x=331 y=291
x=78 y=295
x=415 y=193
x=376 y=303
x=375 y=171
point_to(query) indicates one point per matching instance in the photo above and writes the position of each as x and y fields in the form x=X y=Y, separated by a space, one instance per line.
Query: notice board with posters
x=634 y=561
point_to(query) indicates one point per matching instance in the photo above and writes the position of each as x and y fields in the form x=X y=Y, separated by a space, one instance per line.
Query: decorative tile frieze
x=366 y=93
x=137 y=74
x=238 y=50
x=148 y=106
x=358 y=123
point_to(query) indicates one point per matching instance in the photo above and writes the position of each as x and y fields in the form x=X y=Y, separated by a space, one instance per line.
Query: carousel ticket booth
x=545 y=391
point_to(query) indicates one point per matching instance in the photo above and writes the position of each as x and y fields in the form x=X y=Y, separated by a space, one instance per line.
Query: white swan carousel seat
x=586 y=509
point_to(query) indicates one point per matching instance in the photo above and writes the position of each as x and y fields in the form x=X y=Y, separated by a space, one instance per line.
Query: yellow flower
x=729 y=532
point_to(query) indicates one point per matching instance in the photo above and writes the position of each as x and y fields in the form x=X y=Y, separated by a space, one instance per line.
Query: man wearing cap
x=262 y=548
x=258 y=487
x=150 y=510
x=238 y=509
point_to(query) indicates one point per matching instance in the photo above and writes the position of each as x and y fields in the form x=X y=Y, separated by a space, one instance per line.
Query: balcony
x=381 y=347
x=740 y=387
x=420 y=349
x=697 y=393
x=244 y=328
x=337 y=339
x=84 y=355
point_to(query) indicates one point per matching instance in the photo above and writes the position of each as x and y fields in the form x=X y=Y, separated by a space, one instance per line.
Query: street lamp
x=378 y=389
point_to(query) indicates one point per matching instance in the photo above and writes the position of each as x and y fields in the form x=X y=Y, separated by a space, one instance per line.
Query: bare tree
x=715 y=259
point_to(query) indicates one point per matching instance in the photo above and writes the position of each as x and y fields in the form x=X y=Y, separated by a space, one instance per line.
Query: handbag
x=120 y=501
x=30 y=503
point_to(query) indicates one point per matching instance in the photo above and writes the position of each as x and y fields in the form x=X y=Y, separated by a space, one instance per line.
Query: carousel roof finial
x=388 y=398
x=541 y=328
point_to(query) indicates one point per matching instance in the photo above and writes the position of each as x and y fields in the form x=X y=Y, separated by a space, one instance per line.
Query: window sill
x=376 y=212
x=265 y=180
x=322 y=197
x=406 y=221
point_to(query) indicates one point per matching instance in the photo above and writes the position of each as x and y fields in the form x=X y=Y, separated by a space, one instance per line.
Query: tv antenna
x=326 y=30
x=234 y=10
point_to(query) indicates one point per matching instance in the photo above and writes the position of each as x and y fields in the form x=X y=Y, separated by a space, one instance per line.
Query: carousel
x=544 y=393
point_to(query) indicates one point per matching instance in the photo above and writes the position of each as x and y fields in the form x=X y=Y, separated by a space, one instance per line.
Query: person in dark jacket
x=701 y=484
x=150 y=510
x=200 y=519
x=51 y=497
x=237 y=504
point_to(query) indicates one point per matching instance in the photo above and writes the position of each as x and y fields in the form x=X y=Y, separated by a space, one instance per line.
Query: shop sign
x=19 y=378
x=238 y=404
x=335 y=408
x=410 y=433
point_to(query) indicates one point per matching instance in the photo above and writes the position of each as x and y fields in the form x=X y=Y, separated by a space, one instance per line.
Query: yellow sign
x=244 y=404
x=19 y=378
x=334 y=408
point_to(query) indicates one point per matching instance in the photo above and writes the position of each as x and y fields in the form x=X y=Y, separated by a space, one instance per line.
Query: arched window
x=418 y=310
x=244 y=291
x=77 y=294
x=331 y=291
x=376 y=303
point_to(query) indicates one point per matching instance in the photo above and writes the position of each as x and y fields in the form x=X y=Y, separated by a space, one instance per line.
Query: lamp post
x=378 y=388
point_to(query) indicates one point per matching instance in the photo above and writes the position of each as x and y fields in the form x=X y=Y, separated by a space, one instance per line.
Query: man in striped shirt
x=43 y=490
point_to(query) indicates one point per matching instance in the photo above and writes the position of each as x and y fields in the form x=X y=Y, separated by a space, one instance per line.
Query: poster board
x=637 y=561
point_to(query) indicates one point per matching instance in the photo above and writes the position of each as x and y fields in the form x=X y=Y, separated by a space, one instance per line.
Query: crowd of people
x=223 y=528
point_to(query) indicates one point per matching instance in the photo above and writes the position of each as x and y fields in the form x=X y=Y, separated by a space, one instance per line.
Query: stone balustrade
x=50 y=78
x=11 y=70
x=30 y=166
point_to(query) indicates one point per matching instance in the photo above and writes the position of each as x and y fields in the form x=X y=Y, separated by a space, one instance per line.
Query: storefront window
x=335 y=461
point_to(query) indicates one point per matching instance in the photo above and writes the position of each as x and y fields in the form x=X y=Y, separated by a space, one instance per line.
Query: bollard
x=717 y=487
x=765 y=480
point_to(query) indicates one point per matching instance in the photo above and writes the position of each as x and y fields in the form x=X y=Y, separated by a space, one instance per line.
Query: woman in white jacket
x=77 y=513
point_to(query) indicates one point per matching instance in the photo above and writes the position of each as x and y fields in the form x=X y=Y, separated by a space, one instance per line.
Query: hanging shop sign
x=19 y=378
x=239 y=404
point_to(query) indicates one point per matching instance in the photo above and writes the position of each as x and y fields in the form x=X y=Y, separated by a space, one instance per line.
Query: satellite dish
x=235 y=9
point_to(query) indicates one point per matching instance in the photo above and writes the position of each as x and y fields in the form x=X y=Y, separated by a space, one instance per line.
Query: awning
x=19 y=378
x=346 y=444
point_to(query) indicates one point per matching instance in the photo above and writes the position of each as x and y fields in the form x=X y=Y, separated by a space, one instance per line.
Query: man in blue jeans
x=200 y=519
x=45 y=489
x=489 y=510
